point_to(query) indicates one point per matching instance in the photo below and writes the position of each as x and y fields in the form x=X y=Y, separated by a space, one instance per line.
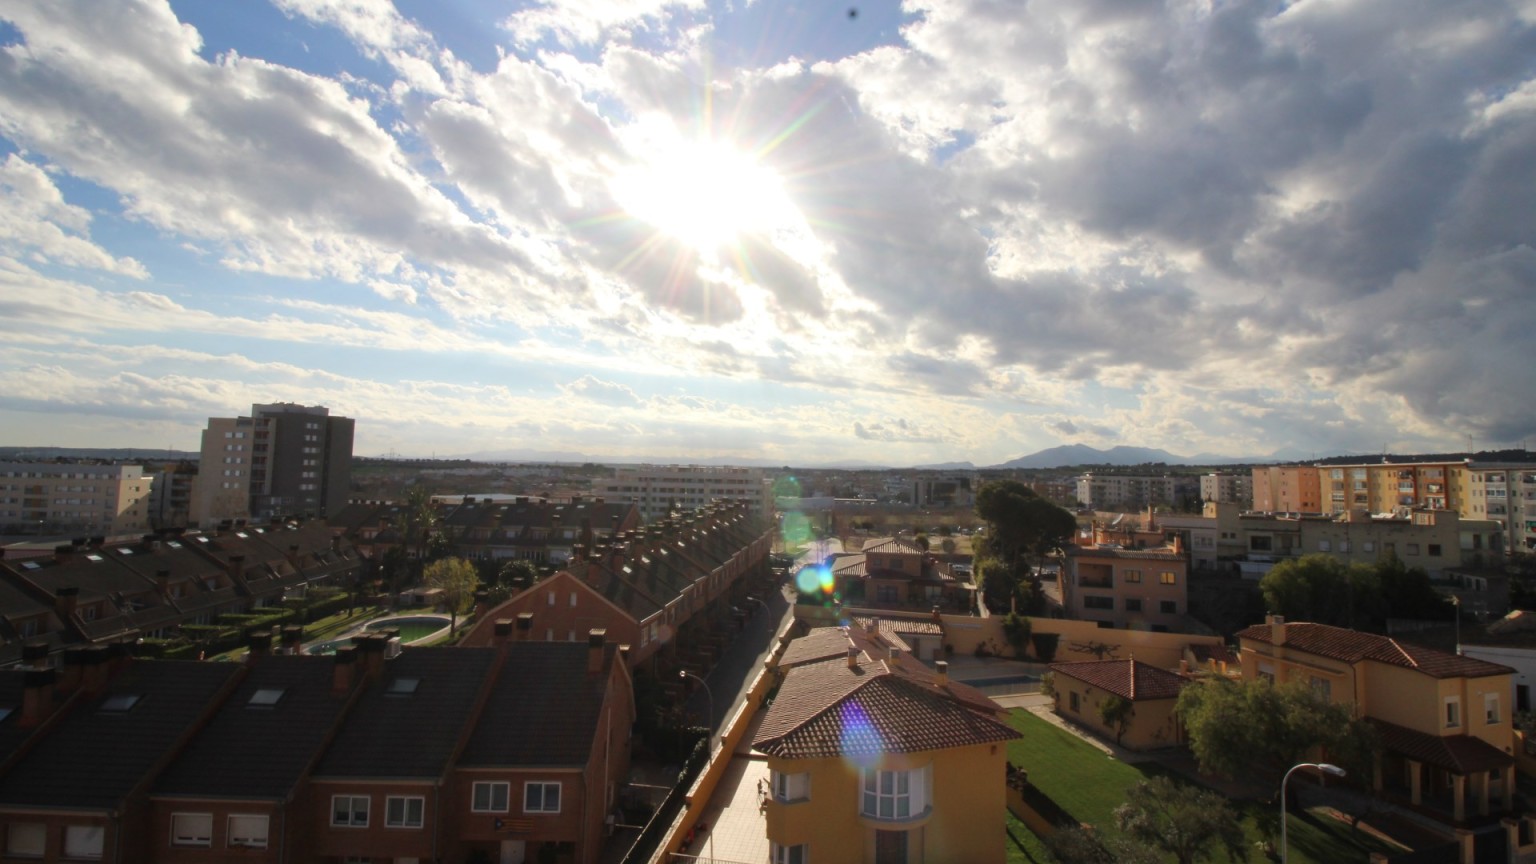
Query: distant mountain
x=945 y=466
x=1082 y=454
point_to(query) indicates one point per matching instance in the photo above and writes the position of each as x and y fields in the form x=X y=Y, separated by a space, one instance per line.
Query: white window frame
x=543 y=786
x=351 y=816
x=191 y=829
x=796 y=854
x=405 y=820
x=791 y=788
x=26 y=840
x=893 y=796
x=1452 y=713
x=491 y=787
x=242 y=830
x=84 y=842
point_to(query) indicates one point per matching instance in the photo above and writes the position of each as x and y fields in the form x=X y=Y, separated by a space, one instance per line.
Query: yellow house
x=884 y=762
x=1081 y=688
x=1443 y=718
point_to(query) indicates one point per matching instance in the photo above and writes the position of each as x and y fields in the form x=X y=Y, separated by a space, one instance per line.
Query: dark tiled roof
x=12 y=735
x=1459 y=754
x=1128 y=679
x=828 y=709
x=93 y=758
x=410 y=736
x=252 y=751
x=544 y=707
x=1352 y=646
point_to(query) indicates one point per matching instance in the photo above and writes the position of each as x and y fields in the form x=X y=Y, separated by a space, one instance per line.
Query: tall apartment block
x=655 y=489
x=51 y=497
x=1133 y=492
x=1224 y=488
x=284 y=459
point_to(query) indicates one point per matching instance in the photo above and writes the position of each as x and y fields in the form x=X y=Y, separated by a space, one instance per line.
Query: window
x=83 y=841
x=788 y=854
x=1168 y=607
x=573 y=599
x=1131 y=575
x=1491 y=707
x=248 y=831
x=403 y=812
x=349 y=811
x=1434 y=549
x=1413 y=548
x=1168 y=577
x=1452 y=712
x=895 y=794
x=266 y=697
x=1324 y=546
x=490 y=797
x=1322 y=688
x=1073 y=704
x=541 y=797
x=551 y=596
x=191 y=829
x=1369 y=545
x=1133 y=604
x=791 y=787
x=26 y=839
x=1093 y=602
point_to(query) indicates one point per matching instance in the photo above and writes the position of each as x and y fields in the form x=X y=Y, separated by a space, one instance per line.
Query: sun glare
x=705 y=194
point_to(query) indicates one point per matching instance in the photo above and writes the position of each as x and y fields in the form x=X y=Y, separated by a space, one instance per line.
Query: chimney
x=94 y=667
x=293 y=639
x=293 y=555
x=938 y=617
x=36 y=696
x=1276 y=629
x=1184 y=666
x=524 y=627
x=34 y=655
x=853 y=656
x=595 y=639
x=62 y=553
x=70 y=673
x=259 y=644
x=370 y=654
x=237 y=568
x=346 y=667
x=941 y=673
x=873 y=626
x=503 y=632
x=64 y=601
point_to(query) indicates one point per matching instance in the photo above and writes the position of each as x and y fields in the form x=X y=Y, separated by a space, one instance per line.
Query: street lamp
x=1456 y=603
x=709 y=722
x=1324 y=767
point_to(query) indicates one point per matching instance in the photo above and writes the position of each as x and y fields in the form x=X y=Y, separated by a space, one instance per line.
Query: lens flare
x=796 y=530
x=824 y=577
x=808 y=580
x=861 y=741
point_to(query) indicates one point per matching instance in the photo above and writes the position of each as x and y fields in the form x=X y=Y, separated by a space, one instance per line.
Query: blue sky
x=640 y=229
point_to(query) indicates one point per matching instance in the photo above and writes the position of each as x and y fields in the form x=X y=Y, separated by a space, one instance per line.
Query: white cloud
x=36 y=223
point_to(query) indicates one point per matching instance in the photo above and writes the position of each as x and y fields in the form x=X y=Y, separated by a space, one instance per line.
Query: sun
x=705 y=194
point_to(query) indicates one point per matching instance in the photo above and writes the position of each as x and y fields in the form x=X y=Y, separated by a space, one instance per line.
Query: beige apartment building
x=658 y=489
x=1226 y=488
x=49 y=497
x=282 y=460
x=1141 y=589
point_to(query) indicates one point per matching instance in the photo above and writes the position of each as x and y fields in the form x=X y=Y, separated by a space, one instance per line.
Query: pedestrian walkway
x=734 y=818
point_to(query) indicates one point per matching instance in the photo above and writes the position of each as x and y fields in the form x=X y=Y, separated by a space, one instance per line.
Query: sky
x=787 y=231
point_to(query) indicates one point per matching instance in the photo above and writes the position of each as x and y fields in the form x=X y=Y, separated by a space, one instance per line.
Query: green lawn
x=1089 y=785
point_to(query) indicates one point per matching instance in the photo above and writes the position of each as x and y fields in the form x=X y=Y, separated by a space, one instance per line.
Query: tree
x=1188 y=822
x=1082 y=845
x=1016 y=628
x=457 y=578
x=1020 y=526
x=1116 y=713
x=518 y=574
x=1325 y=590
x=1261 y=728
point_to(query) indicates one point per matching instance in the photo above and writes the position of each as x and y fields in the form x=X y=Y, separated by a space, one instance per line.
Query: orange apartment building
x=1145 y=588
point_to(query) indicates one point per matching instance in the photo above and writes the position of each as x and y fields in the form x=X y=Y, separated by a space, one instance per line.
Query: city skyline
x=779 y=231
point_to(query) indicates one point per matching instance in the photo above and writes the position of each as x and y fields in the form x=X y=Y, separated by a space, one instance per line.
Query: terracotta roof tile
x=1128 y=679
x=1459 y=754
x=1207 y=653
x=829 y=709
x=1352 y=646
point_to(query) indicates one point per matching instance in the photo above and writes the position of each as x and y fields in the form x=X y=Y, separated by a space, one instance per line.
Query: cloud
x=36 y=223
x=897 y=429
x=602 y=392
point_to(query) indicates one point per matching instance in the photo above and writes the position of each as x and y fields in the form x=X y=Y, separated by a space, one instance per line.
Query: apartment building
x=1127 y=492
x=1504 y=492
x=876 y=758
x=283 y=459
x=1287 y=489
x=69 y=497
x=1444 y=720
x=1143 y=589
x=660 y=489
x=1226 y=488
